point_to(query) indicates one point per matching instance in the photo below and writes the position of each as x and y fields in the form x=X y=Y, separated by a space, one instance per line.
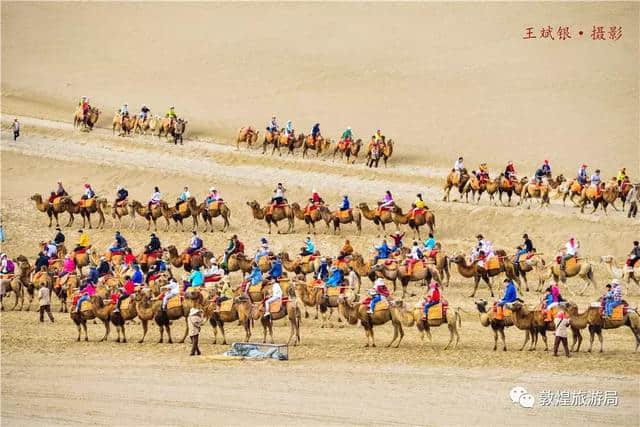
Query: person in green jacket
x=347 y=135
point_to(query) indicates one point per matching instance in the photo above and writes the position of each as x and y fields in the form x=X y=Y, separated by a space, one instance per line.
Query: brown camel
x=477 y=272
x=118 y=212
x=301 y=265
x=63 y=287
x=348 y=150
x=270 y=138
x=166 y=127
x=236 y=310
x=415 y=221
x=341 y=217
x=92 y=117
x=473 y=186
x=248 y=135
x=17 y=283
x=157 y=211
x=452 y=319
x=534 y=320
x=279 y=310
x=385 y=152
x=127 y=312
x=510 y=188
x=624 y=272
x=214 y=210
x=492 y=188
x=124 y=125
x=175 y=310
x=320 y=145
x=574 y=267
x=421 y=271
x=534 y=190
x=188 y=262
x=187 y=209
x=385 y=311
x=239 y=262
x=310 y=294
x=599 y=197
x=88 y=207
x=272 y=215
x=455 y=180
x=573 y=190
x=61 y=204
x=497 y=325
x=142 y=125
x=310 y=218
x=594 y=319
x=93 y=309
x=380 y=219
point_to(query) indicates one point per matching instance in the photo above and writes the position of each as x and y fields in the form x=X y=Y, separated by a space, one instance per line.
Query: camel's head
x=377 y=267
x=253 y=205
x=560 y=179
x=363 y=205
x=456 y=259
x=607 y=259
x=36 y=198
x=481 y=305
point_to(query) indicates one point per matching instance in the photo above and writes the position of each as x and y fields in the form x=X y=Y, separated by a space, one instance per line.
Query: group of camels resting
x=301 y=293
x=527 y=190
x=320 y=145
x=126 y=208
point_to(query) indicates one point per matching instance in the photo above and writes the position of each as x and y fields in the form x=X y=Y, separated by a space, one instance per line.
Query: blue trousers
x=610 y=305
x=82 y=299
x=425 y=309
x=376 y=299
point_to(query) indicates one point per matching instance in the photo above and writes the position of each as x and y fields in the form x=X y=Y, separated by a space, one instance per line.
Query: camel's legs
x=577 y=339
x=107 y=328
x=144 y=330
x=526 y=339
x=504 y=343
x=79 y=331
x=186 y=330
x=84 y=327
x=495 y=339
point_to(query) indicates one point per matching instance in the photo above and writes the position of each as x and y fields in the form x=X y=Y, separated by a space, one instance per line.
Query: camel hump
x=382 y=305
x=174 y=302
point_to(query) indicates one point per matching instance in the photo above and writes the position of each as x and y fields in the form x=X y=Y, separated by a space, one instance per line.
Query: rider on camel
x=397 y=240
x=155 y=198
x=431 y=299
x=288 y=130
x=273 y=125
x=346 y=250
x=510 y=172
x=347 y=136
x=183 y=197
x=309 y=248
x=88 y=192
x=195 y=244
x=483 y=173
x=315 y=132
x=583 y=175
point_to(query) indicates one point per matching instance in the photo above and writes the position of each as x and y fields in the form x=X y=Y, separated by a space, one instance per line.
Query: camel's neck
x=258 y=213
x=464 y=269
x=614 y=269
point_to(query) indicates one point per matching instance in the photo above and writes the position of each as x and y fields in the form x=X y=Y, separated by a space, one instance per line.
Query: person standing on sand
x=195 y=323
x=16 y=129
x=562 y=323
x=44 y=298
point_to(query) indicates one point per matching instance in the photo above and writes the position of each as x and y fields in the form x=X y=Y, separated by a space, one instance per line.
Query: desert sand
x=441 y=79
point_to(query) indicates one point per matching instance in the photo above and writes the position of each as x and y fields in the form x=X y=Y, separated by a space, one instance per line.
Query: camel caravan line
x=245 y=303
x=502 y=189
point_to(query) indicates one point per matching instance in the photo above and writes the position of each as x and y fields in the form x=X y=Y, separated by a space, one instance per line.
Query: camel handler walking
x=195 y=321
x=15 y=126
x=44 y=299
x=562 y=323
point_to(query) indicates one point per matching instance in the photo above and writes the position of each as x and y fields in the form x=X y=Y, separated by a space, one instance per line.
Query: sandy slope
x=441 y=79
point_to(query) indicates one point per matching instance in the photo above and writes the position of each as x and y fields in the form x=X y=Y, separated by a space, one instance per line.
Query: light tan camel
x=380 y=219
x=623 y=272
x=415 y=221
x=214 y=210
x=96 y=308
x=455 y=180
x=157 y=211
x=272 y=215
x=248 y=135
x=341 y=217
x=452 y=319
x=61 y=204
x=349 y=150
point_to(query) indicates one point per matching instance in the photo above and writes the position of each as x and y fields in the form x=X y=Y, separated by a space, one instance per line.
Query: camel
x=269 y=139
x=187 y=209
x=121 y=210
x=61 y=204
x=157 y=211
x=86 y=125
x=574 y=267
x=625 y=188
x=441 y=261
x=166 y=127
x=82 y=258
x=301 y=265
x=309 y=294
x=96 y=308
x=310 y=218
x=596 y=323
x=320 y=145
x=192 y=298
x=385 y=216
x=510 y=188
x=214 y=210
x=124 y=125
x=287 y=308
x=497 y=325
x=86 y=207
x=146 y=309
x=473 y=186
x=189 y=262
x=348 y=150
x=64 y=287
x=623 y=272
x=291 y=142
x=533 y=190
x=248 y=135
x=533 y=320
x=239 y=262
x=179 y=128
x=142 y=125
x=452 y=319
x=455 y=180
x=341 y=217
x=492 y=188
x=127 y=312
x=385 y=311
x=272 y=215
x=420 y=218
x=17 y=283
x=478 y=272
x=603 y=197
x=385 y=152
x=236 y=310
x=395 y=271
x=574 y=188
